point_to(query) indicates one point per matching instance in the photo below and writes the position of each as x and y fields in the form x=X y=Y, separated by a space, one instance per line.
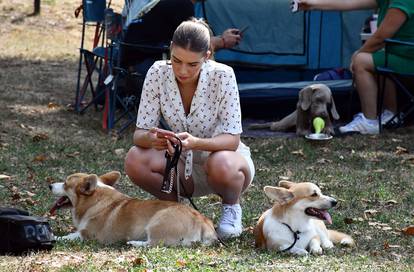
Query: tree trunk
x=36 y=7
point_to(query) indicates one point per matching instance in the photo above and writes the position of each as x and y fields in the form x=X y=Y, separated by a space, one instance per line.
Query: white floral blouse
x=215 y=108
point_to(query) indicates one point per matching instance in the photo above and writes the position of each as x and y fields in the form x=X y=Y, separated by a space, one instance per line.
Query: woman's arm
x=336 y=4
x=392 y=22
x=217 y=143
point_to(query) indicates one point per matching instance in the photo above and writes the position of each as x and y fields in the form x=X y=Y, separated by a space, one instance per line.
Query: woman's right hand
x=159 y=138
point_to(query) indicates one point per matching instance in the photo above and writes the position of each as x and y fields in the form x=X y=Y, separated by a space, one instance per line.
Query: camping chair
x=93 y=60
x=135 y=56
x=404 y=85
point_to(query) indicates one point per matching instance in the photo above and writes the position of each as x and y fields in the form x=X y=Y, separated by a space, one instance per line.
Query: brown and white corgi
x=102 y=213
x=296 y=221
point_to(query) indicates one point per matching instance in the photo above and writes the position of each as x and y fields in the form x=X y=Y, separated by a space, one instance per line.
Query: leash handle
x=171 y=168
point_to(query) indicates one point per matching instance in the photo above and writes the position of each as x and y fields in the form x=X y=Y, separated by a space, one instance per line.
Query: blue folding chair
x=93 y=12
x=134 y=58
x=404 y=84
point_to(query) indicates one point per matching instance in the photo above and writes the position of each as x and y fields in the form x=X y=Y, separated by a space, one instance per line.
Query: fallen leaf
x=391 y=202
x=408 y=230
x=139 y=261
x=379 y=170
x=348 y=220
x=40 y=158
x=5 y=177
x=181 y=262
x=119 y=151
x=73 y=155
x=323 y=161
x=370 y=213
x=284 y=178
x=40 y=136
x=298 y=152
x=52 y=105
x=400 y=150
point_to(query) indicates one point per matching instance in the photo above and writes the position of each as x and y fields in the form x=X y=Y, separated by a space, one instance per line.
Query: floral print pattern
x=215 y=107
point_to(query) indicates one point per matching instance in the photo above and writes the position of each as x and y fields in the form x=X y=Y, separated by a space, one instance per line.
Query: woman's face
x=186 y=64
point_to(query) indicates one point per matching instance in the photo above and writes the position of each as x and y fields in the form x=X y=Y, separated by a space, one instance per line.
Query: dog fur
x=314 y=101
x=303 y=207
x=102 y=213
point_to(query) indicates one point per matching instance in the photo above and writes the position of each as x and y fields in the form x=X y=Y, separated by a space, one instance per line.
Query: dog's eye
x=314 y=194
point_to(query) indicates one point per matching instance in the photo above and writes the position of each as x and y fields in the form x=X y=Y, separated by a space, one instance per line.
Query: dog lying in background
x=102 y=213
x=314 y=101
x=295 y=223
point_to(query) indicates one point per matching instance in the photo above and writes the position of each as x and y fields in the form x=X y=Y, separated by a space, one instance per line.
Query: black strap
x=171 y=167
x=295 y=237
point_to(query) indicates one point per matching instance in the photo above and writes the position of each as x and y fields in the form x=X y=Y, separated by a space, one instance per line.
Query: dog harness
x=295 y=237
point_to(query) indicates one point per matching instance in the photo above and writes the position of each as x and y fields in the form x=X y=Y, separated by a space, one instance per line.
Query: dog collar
x=295 y=237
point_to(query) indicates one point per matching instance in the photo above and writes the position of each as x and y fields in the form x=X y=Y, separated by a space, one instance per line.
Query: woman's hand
x=160 y=139
x=188 y=141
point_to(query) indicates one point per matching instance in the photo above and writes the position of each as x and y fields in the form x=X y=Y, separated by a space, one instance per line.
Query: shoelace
x=354 y=122
x=229 y=214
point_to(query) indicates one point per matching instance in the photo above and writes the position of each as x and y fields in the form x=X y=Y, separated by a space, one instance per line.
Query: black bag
x=20 y=232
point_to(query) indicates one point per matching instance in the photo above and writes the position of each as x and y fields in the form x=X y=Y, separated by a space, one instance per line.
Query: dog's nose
x=334 y=202
x=50 y=186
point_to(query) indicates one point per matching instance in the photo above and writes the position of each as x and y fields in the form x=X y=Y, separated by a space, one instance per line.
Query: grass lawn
x=42 y=141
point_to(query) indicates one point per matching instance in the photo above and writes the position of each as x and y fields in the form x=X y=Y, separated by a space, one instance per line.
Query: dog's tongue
x=58 y=204
x=326 y=216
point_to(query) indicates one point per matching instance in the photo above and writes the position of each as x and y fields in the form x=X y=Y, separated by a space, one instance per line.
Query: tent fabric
x=278 y=37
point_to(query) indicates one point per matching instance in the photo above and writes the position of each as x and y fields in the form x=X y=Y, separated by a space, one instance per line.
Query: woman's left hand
x=188 y=141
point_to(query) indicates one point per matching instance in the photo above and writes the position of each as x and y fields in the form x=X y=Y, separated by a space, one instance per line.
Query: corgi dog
x=104 y=214
x=295 y=223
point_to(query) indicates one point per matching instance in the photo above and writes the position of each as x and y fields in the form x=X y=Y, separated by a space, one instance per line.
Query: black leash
x=171 y=172
x=295 y=237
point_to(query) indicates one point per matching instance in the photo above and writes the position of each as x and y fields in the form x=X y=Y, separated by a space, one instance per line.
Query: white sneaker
x=386 y=116
x=361 y=124
x=230 y=223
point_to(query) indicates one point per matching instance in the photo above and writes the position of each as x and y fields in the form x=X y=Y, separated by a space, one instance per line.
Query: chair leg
x=380 y=99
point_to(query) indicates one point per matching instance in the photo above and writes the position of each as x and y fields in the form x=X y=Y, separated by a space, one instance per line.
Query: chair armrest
x=398 y=42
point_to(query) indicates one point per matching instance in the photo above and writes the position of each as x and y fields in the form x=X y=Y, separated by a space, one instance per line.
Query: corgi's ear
x=88 y=184
x=278 y=194
x=286 y=184
x=110 y=178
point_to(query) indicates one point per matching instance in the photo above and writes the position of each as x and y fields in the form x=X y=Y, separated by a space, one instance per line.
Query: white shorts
x=199 y=175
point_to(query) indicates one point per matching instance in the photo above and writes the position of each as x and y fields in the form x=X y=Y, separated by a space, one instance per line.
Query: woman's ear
x=208 y=54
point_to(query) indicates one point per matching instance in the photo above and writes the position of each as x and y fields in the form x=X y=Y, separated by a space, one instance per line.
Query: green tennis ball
x=318 y=124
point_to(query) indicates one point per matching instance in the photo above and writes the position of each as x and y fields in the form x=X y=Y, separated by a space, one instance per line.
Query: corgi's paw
x=69 y=237
x=347 y=241
x=327 y=244
x=298 y=251
x=315 y=250
x=138 y=243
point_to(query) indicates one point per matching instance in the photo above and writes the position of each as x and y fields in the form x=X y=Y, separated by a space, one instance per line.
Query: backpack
x=21 y=232
x=333 y=74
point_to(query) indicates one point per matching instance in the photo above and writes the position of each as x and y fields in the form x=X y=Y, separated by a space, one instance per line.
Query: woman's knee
x=221 y=167
x=137 y=161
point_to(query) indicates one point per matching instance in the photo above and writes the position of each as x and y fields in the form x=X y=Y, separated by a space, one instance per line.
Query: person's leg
x=366 y=83
x=363 y=70
x=145 y=168
x=228 y=175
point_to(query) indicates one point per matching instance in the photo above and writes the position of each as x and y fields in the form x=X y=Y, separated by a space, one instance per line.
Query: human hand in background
x=297 y=5
x=231 y=37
